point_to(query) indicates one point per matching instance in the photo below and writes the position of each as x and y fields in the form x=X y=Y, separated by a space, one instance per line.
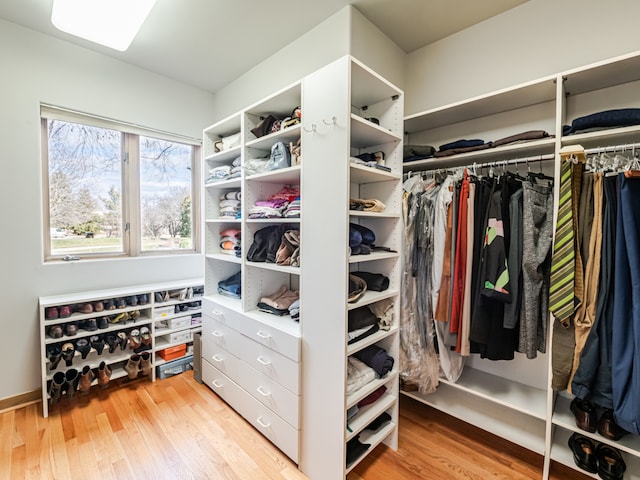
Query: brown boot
x=57 y=383
x=104 y=375
x=86 y=377
x=133 y=366
x=145 y=363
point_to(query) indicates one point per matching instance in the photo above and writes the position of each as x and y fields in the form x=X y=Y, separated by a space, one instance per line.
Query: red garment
x=460 y=265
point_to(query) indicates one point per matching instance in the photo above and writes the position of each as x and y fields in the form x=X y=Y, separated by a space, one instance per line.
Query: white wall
x=535 y=39
x=37 y=68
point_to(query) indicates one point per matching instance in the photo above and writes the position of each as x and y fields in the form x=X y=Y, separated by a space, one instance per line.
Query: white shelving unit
x=147 y=315
x=516 y=402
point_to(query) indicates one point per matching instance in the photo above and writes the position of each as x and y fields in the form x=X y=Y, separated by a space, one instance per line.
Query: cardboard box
x=173 y=352
x=179 y=322
x=184 y=336
x=162 y=312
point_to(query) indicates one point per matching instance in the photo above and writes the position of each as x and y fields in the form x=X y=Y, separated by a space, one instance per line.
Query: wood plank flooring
x=178 y=429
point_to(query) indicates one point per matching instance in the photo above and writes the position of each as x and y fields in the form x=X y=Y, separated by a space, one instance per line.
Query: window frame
x=130 y=181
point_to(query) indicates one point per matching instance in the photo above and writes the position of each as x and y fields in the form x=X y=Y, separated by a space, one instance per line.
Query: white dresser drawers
x=283 y=435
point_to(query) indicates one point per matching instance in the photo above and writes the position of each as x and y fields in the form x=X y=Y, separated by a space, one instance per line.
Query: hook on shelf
x=332 y=122
x=313 y=128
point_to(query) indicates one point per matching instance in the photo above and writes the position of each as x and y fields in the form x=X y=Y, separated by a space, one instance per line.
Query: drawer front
x=220 y=334
x=222 y=314
x=269 y=336
x=283 y=435
x=277 y=367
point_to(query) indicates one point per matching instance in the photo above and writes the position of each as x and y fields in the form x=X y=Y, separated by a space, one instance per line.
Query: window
x=115 y=189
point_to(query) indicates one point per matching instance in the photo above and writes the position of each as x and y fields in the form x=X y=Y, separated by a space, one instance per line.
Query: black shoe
x=611 y=466
x=54 y=354
x=608 y=428
x=83 y=346
x=103 y=322
x=68 y=351
x=584 y=452
x=585 y=414
x=97 y=342
x=112 y=341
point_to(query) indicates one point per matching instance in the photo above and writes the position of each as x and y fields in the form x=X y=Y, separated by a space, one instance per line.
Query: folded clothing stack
x=359 y=374
x=230 y=206
x=293 y=209
x=377 y=358
x=417 y=152
x=369 y=205
x=361 y=239
x=289 y=250
x=366 y=320
x=373 y=160
x=278 y=244
x=294 y=310
x=230 y=287
x=621 y=117
x=278 y=303
x=275 y=206
x=225 y=172
x=230 y=241
x=376 y=282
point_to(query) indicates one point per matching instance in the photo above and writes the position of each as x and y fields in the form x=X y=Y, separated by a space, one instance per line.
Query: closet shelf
x=510 y=424
x=224 y=257
x=373 y=297
x=371 y=339
x=370 y=387
x=563 y=418
x=287 y=135
x=357 y=213
x=365 y=133
x=234 y=304
x=506 y=152
x=604 y=138
x=222 y=220
x=289 y=175
x=608 y=73
x=85 y=334
x=273 y=220
x=224 y=156
x=232 y=183
x=364 y=174
x=369 y=413
x=373 y=256
x=275 y=267
x=374 y=439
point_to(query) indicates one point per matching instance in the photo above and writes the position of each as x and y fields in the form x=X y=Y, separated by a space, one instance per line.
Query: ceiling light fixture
x=112 y=23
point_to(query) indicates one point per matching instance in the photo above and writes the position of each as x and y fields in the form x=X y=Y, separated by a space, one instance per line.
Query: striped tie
x=561 y=289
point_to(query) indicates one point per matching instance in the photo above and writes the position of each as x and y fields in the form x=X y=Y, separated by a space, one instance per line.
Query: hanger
x=633 y=169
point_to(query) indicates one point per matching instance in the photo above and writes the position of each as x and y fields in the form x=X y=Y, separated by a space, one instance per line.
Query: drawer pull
x=262 y=424
x=217 y=314
x=216 y=384
x=261 y=334
x=262 y=392
x=264 y=362
x=218 y=334
x=217 y=357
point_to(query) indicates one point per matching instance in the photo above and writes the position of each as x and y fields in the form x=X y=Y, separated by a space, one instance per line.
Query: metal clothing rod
x=513 y=161
x=629 y=146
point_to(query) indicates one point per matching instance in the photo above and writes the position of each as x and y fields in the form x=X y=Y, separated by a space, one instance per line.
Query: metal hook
x=313 y=128
x=332 y=122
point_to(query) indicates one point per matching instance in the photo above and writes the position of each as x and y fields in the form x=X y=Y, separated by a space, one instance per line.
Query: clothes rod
x=613 y=148
x=497 y=163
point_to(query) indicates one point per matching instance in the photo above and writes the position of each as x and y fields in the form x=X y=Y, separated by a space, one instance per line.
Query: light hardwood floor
x=178 y=429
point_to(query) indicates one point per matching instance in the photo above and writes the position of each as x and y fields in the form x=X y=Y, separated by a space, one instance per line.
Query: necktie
x=562 y=284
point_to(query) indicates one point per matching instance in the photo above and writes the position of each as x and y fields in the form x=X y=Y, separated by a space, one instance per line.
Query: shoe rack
x=91 y=339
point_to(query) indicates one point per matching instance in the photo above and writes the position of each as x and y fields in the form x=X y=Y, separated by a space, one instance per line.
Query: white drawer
x=222 y=314
x=270 y=336
x=283 y=435
x=267 y=391
x=271 y=364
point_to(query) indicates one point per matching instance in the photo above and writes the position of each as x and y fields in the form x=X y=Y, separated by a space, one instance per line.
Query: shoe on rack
x=90 y=325
x=83 y=346
x=123 y=339
x=134 y=339
x=103 y=322
x=120 y=318
x=112 y=341
x=584 y=452
x=121 y=303
x=585 y=414
x=608 y=428
x=65 y=311
x=158 y=297
x=134 y=315
x=86 y=377
x=132 y=300
x=145 y=338
x=98 y=306
x=68 y=352
x=71 y=382
x=57 y=384
x=55 y=331
x=51 y=313
x=97 y=342
x=110 y=304
x=143 y=299
x=70 y=329
x=189 y=293
x=104 y=375
x=54 y=354
x=611 y=466
x=133 y=366
x=145 y=363
x=84 y=308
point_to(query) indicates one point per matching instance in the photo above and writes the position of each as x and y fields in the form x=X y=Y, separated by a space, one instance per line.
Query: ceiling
x=210 y=43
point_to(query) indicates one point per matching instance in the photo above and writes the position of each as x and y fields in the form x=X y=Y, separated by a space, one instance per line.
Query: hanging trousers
x=593 y=377
x=537 y=237
x=586 y=312
x=625 y=355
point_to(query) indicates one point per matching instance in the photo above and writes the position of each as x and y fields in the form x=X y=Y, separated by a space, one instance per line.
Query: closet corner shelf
x=604 y=138
x=369 y=413
x=508 y=393
x=232 y=183
x=372 y=297
x=366 y=134
x=222 y=220
x=224 y=156
x=290 y=134
x=275 y=267
x=371 y=339
x=223 y=128
x=223 y=257
x=373 y=256
x=289 y=175
x=364 y=174
x=507 y=152
x=562 y=417
x=374 y=439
